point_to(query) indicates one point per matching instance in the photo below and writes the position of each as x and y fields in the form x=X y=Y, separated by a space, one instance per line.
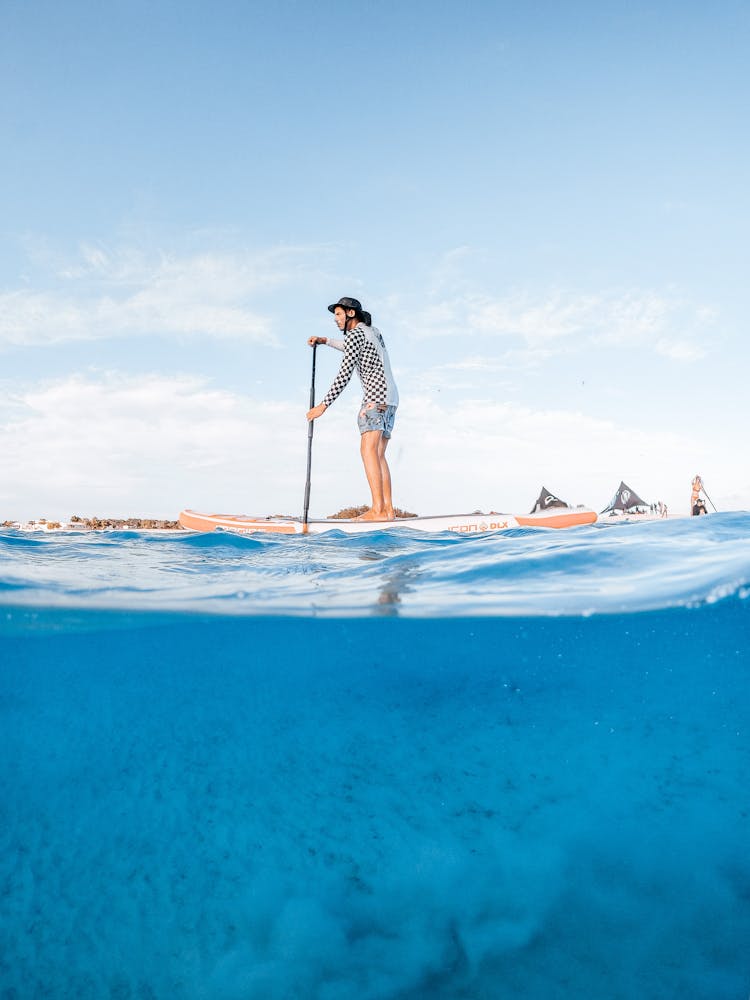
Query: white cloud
x=114 y=445
x=88 y=444
x=477 y=363
x=118 y=291
x=533 y=321
x=471 y=373
x=105 y=294
x=679 y=351
x=557 y=322
x=30 y=318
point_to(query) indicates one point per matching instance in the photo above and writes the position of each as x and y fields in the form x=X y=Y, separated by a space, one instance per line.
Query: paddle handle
x=310 y=427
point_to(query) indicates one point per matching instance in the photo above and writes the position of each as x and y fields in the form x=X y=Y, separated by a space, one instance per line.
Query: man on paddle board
x=364 y=350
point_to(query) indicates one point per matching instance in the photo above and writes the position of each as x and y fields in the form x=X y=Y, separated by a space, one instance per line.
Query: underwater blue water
x=388 y=766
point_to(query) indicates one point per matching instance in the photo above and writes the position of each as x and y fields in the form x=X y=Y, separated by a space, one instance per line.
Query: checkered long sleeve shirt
x=364 y=351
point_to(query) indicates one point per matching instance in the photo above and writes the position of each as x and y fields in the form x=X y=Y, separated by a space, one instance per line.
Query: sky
x=544 y=206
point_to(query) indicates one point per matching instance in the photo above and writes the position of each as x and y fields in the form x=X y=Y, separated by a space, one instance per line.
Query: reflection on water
x=400 y=582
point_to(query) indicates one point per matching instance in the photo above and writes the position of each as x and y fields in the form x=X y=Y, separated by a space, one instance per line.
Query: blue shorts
x=372 y=417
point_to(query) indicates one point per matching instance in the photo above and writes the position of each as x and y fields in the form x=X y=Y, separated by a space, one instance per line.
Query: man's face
x=341 y=317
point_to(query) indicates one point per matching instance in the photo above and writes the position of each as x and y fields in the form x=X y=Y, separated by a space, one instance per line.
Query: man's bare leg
x=370 y=450
x=385 y=474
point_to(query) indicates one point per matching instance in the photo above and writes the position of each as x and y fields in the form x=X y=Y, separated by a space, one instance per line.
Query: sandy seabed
x=381 y=809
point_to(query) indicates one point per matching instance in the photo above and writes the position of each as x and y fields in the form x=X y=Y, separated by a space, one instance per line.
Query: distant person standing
x=697 y=504
x=364 y=350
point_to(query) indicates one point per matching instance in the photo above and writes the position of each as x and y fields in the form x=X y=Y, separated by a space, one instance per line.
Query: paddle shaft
x=310 y=427
x=709 y=498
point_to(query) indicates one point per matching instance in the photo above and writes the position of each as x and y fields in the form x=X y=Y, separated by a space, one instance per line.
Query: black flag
x=546 y=501
x=625 y=499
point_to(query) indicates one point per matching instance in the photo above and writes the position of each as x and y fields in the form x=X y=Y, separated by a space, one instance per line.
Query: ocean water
x=383 y=767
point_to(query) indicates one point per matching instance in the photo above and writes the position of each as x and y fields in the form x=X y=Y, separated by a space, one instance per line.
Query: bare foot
x=373 y=515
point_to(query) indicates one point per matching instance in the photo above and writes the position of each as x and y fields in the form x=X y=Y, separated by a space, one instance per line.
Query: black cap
x=347 y=303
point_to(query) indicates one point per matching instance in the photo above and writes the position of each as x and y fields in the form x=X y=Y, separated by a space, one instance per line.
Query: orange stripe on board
x=248 y=526
x=210 y=522
x=558 y=520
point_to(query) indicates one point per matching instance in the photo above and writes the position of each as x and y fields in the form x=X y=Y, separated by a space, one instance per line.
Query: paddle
x=708 y=498
x=310 y=426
